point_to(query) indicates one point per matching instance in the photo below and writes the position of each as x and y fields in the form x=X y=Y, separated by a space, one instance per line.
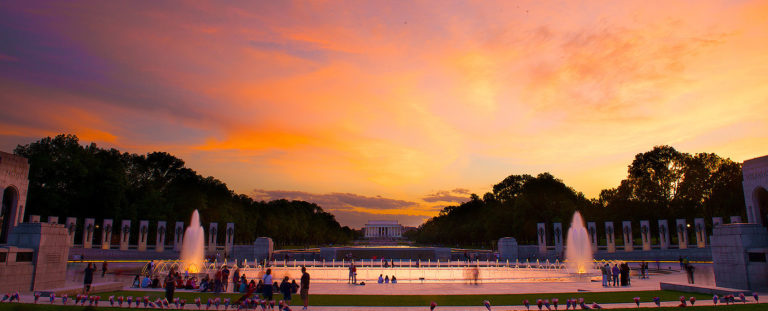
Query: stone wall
x=15 y=275
x=50 y=243
x=736 y=252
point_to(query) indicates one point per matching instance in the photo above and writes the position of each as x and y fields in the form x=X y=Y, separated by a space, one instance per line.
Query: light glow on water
x=578 y=248
x=193 y=246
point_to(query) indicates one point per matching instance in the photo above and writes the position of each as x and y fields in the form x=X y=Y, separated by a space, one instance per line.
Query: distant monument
x=383 y=229
x=739 y=250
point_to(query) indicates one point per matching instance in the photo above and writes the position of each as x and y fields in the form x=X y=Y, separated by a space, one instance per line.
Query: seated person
x=386 y=279
x=156 y=282
x=251 y=285
x=190 y=283
x=205 y=284
x=381 y=278
x=394 y=280
x=146 y=282
x=136 y=281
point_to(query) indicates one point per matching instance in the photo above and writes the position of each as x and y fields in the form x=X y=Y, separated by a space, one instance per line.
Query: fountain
x=193 y=246
x=578 y=248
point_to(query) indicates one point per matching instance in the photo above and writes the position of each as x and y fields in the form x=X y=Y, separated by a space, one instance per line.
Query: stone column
x=106 y=234
x=592 y=230
x=53 y=220
x=542 y=234
x=663 y=234
x=626 y=229
x=125 y=234
x=33 y=219
x=645 y=234
x=143 y=232
x=735 y=219
x=716 y=221
x=88 y=227
x=609 y=237
x=557 y=230
x=229 y=241
x=701 y=232
x=160 y=237
x=682 y=234
x=178 y=237
x=71 y=226
x=212 y=236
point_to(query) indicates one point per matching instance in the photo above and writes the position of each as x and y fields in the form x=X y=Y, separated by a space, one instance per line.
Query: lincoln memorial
x=383 y=229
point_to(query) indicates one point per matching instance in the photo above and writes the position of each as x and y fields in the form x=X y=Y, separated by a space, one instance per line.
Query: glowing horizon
x=389 y=109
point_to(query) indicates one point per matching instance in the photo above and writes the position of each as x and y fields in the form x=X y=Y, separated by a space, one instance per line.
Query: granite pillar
x=106 y=234
x=143 y=233
x=645 y=234
x=213 y=229
x=626 y=229
x=592 y=230
x=34 y=219
x=610 y=241
x=701 y=232
x=88 y=227
x=735 y=219
x=71 y=226
x=663 y=234
x=682 y=234
x=178 y=236
x=54 y=220
x=125 y=234
x=557 y=230
x=541 y=231
x=229 y=242
x=160 y=237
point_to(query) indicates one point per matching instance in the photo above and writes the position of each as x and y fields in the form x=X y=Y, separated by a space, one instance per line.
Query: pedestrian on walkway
x=103 y=268
x=615 y=272
x=88 y=278
x=304 y=287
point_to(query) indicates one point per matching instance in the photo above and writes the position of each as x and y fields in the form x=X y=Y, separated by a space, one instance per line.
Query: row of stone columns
x=681 y=228
x=108 y=229
x=385 y=231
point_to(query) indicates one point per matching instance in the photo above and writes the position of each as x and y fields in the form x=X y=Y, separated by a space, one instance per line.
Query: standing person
x=286 y=289
x=689 y=271
x=217 y=282
x=604 y=272
x=267 y=289
x=170 y=285
x=351 y=272
x=103 y=268
x=88 y=277
x=225 y=278
x=304 y=293
x=615 y=273
x=680 y=259
x=236 y=280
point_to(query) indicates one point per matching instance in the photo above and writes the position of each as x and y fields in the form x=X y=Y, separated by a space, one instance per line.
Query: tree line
x=67 y=179
x=662 y=183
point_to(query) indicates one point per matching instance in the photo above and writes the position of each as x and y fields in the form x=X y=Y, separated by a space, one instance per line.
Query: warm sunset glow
x=378 y=109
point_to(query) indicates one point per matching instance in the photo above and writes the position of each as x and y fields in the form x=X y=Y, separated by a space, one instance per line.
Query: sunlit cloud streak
x=390 y=99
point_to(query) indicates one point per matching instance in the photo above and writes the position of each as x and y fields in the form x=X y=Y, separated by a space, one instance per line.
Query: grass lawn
x=441 y=300
x=44 y=307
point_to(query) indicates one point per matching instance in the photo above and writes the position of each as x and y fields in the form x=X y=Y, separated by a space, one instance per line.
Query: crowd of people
x=618 y=275
x=265 y=288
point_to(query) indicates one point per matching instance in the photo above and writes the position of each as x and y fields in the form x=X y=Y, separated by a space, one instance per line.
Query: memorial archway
x=9 y=204
x=760 y=203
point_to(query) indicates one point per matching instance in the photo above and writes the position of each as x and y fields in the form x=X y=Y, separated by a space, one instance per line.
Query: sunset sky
x=389 y=109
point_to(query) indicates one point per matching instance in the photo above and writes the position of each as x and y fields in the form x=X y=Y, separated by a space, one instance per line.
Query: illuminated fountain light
x=578 y=249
